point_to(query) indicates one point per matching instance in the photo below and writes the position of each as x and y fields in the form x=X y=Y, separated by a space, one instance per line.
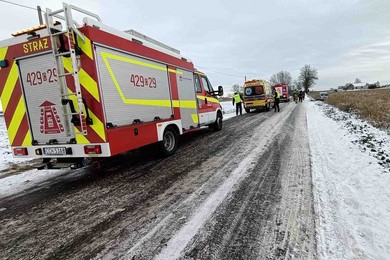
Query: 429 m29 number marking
x=39 y=77
x=141 y=81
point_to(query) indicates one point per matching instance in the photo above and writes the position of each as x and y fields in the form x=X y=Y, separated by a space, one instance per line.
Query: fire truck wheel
x=217 y=125
x=168 y=145
x=247 y=110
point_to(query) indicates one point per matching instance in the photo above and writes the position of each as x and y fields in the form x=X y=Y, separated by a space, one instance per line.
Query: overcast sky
x=229 y=40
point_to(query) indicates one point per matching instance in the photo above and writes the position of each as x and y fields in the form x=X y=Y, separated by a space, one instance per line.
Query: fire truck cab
x=71 y=91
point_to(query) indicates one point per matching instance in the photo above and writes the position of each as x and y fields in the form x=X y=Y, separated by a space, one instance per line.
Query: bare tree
x=297 y=85
x=308 y=77
x=357 y=80
x=282 y=77
x=236 y=88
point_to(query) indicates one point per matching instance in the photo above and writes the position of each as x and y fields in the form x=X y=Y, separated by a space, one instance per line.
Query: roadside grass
x=372 y=105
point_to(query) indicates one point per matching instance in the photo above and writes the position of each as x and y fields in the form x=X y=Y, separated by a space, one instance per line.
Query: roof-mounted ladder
x=56 y=33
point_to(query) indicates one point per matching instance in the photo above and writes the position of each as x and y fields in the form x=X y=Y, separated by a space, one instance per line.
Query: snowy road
x=242 y=193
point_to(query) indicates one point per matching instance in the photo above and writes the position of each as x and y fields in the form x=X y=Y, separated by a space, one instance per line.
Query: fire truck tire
x=247 y=110
x=217 y=125
x=168 y=145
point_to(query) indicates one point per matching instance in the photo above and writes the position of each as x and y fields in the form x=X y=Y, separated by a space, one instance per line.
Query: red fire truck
x=283 y=90
x=71 y=91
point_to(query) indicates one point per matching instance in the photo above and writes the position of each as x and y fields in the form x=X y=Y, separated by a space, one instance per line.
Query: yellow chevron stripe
x=80 y=139
x=3 y=52
x=9 y=86
x=85 y=46
x=89 y=84
x=97 y=126
x=87 y=81
x=16 y=120
x=27 y=140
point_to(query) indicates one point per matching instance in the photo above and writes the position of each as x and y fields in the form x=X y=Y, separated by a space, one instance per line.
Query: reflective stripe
x=80 y=139
x=16 y=120
x=27 y=140
x=90 y=85
x=195 y=118
x=106 y=55
x=3 y=52
x=9 y=86
x=237 y=98
x=210 y=99
x=87 y=81
x=187 y=103
x=97 y=125
x=144 y=102
x=85 y=46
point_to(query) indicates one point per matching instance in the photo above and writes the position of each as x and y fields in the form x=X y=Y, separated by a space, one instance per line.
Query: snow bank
x=351 y=181
x=228 y=109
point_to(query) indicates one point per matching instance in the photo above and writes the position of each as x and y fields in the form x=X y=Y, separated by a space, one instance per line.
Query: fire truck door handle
x=88 y=118
x=75 y=120
x=205 y=100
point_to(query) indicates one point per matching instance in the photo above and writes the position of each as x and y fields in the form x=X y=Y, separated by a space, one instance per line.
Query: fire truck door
x=43 y=100
x=187 y=99
x=202 y=101
x=209 y=99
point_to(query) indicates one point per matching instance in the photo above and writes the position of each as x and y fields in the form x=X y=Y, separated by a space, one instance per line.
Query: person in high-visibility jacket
x=238 y=101
x=276 y=100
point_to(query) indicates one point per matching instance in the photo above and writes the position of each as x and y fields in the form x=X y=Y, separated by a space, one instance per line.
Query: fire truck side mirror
x=220 y=91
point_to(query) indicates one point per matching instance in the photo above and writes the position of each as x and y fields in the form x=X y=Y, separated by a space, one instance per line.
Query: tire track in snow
x=182 y=238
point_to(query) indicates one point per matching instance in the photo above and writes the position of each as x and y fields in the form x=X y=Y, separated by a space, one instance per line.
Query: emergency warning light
x=3 y=63
x=29 y=30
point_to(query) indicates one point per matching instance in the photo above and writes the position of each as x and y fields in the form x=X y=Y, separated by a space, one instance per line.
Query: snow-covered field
x=351 y=180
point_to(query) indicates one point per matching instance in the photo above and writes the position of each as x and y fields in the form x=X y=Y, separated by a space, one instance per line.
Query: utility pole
x=40 y=15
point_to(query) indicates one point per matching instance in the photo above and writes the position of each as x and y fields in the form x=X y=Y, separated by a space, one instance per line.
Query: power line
x=221 y=73
x=20 y=5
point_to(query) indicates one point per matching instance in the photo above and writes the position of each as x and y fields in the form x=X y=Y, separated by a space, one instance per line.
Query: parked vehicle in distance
x=323 y=95
x=283 y=90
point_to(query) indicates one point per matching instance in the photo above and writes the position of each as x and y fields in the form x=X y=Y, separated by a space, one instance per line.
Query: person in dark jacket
x=301 y=96
x=276 y=100
x=238 y=101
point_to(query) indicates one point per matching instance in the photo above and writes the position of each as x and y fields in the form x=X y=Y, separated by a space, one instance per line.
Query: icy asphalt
x=294 y=184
